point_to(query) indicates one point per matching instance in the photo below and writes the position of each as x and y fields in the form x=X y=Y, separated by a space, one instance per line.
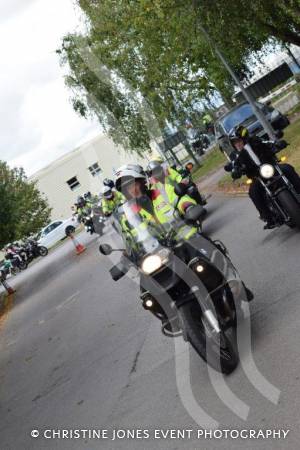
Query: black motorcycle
x=191 y=285
x=192 y=190
x=98 y=219
x=280 y=195
x=34 y=250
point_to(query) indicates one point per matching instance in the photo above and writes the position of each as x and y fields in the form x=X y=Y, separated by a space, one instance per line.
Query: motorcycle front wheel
x=43 y=251
x=290 y=205
x=218 y=352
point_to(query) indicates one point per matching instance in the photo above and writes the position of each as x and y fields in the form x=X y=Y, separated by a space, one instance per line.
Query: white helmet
x=135 y=167
x=107 y=192
x=127 y=173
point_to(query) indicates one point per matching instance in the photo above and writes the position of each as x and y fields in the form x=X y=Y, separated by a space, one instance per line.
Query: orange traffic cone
x=9 y=289
x=79 y=247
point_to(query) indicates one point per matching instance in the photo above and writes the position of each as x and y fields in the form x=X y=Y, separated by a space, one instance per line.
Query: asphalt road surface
x=79 y=352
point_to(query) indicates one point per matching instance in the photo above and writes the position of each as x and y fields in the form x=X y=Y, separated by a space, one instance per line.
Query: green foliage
x=167 y=67
x=22 y=209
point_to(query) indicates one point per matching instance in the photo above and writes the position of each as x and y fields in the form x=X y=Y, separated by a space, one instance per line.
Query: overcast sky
x=37 y=122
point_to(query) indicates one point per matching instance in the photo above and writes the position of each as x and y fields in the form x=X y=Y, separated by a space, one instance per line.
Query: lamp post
x=260 y=116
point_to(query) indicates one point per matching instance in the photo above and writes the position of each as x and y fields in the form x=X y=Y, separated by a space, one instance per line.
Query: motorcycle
x=98 y=219
x=88 y=222
x=16 y=261
x=282 y=199
x=191 y=285
x=193 y=190
x=9 y=268
x=34 y=250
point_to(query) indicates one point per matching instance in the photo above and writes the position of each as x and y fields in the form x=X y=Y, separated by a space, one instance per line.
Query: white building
x=80 y=171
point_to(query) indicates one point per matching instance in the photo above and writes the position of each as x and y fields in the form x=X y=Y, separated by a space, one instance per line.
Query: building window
x=73 y=183
x=95 y=169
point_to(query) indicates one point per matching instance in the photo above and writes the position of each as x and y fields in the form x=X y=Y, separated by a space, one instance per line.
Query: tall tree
x=159 y=61
x=23 y=211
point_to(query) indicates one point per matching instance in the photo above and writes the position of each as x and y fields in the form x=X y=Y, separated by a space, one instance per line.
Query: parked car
x=243 y=114
x=56 y=231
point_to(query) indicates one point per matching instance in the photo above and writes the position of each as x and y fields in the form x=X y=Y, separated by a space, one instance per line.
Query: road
x=79 y=352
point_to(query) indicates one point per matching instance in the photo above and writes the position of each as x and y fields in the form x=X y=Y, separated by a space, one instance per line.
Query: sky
x=37 y=121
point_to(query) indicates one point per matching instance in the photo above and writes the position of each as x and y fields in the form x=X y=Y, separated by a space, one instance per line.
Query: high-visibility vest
x=142 y=221
x=172 y=174
x=109 y=205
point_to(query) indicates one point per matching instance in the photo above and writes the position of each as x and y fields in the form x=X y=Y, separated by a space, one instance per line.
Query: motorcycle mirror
x=105 y=249
x=180 y=189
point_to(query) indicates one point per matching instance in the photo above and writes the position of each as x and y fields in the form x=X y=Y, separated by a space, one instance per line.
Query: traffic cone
x=79 y=247
x=9 y=289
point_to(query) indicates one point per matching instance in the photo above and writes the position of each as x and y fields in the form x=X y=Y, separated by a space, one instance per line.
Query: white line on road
x=69 y=300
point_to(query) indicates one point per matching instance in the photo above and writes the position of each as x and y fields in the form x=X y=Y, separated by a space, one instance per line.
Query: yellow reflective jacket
x=109 y=205
x=163 y=214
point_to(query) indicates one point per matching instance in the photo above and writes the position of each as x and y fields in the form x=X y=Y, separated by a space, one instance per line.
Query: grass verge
x=210 y=163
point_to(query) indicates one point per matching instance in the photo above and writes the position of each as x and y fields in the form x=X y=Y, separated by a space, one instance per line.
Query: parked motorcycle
x=16 y=261
x=34 y=250
x=191 y=285
x=280 y=194
x=9 y=268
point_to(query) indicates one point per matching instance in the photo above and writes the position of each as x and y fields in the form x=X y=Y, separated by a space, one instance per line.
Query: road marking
x=11 y=343
x=69 y=300
x=41 y=322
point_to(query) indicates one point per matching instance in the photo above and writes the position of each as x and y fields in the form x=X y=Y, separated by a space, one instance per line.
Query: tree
x=157 y=56
x=249 y=23
x=166 y=65
x=22 y=209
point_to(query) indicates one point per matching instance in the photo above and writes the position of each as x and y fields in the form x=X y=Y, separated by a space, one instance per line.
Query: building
x=80 y=171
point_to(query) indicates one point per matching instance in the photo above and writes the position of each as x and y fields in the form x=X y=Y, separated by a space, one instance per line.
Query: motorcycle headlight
x=154 y=262
x=267 y=171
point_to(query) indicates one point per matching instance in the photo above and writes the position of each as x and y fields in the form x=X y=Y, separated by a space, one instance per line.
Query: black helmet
x=239 y=132
x=87 y=195
x=109 y=183
x=155 y=169
x=80 y=201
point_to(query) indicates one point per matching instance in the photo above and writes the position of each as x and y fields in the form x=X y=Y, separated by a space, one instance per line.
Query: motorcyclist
x=83 y=208
x=160 y=173
x=207 y=122
x=110 y=200
x=150 y=210
x=241 y=163
x=150 y=205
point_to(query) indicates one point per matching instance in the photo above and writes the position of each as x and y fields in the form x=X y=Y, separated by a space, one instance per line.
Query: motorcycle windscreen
x=136 y=218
